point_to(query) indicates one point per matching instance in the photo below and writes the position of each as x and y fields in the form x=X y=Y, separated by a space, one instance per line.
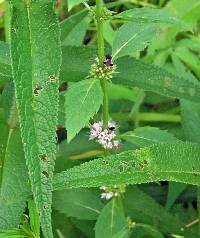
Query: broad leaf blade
x=132 y=37
x=35 y=64
x=112 y=222
x=84 y=204
x=82 y=101
x=160 y=162
x=145 y=136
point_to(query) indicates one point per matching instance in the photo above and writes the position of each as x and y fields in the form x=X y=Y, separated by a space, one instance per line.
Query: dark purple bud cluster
x=103 y=72
x=108 y=61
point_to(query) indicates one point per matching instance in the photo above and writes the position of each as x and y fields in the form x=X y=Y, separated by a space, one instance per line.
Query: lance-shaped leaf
x=134 y=72
x=82 y=101
x=172 y=162
x=35 y=54
x=14 y=186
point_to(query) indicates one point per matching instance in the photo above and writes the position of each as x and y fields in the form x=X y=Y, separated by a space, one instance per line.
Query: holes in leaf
x=52 y=79
x=105 y=162
x=124 y=167
x=194 y=172
x=44 y=158
x=14 y=30
x=63 y=87
x=36 y=91
x=145 y=162
x=61 y=133
x=45 y=174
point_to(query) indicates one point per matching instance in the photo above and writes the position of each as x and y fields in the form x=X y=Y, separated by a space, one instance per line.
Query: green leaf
x=68 y=25
x=14 y=186
x=3 y=143
x=189 y=59
x=5 y=69
x=35 y=53
x=132 y=37
x=63 y=226
x=72 y=3
x=146 y=210
x=86 y=226
x=77 y=35
x=34 y=218
x=172 y=162
x=108 y=32
x=112 y=222
x=145 y=136
x=80 y=203
x=190 y=111
x=151 y=15
x=142 y=230
x=8 y=102
x=82 y=101
x=190 y=114
x=117 y=92
x=155 y=79
x=174 y=190
x=187 y=10
x=76 y=62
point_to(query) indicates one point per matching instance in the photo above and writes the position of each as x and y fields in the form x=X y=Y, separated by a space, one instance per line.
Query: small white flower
x=107 y=196
x=103 y=187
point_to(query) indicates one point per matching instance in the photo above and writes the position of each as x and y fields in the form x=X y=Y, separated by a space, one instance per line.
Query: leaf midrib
x=142 y=172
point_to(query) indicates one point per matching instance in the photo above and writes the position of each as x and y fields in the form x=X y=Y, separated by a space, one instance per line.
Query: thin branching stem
x=101 y=56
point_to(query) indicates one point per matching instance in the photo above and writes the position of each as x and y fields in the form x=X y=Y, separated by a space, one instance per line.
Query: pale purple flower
x=106 y=137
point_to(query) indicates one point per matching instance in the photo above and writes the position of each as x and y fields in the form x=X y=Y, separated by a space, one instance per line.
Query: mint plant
x=99 y=119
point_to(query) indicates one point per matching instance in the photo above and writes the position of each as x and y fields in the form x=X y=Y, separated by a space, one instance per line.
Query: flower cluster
x=111 y=191
x=105 y=137
x=103 y=72
x=107 y=195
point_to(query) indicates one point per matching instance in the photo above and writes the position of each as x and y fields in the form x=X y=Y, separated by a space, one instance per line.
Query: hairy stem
x=101 y=55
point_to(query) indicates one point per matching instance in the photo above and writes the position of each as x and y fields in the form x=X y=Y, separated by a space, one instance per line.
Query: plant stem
x=101 y=56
